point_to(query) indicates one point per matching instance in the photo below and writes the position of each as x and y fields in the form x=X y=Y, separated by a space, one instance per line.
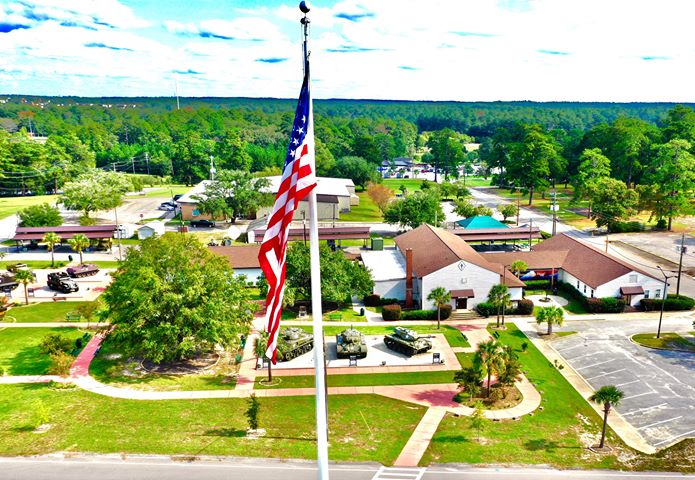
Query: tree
x=25 y=277
x=51 y=239
x=172 y=298
x=594 y=165
x=500 y=298
x=380 y=194
x=253 y=409
x=673 y=176
x=95 y=190
x=356 y=168
x=467 y=209
x=469 y=379
x=510 y=370
x=551 y=315
x=440 y=297
x=508 y=210
x=531 y=158
x=43 y=215
x=518 y=267
x=612 y=201
x=478 y=419
x=414 y=210
x=608 y=396
x=340 y=277
x=79 y=243
x=234 y=193
x=489 y=359
x=446 y=147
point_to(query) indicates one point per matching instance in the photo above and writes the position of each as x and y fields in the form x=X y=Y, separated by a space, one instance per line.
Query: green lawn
x=109 y=364
x=19 y=349
x=11 y=205
x=362 y=380
x=366 y=211
x=167 y=191
x=550 y=437
x=34 y=264
x=347 y=314
x=42 y=312
x=667 y=340
x=105 y=263
x=453 y=336
x=412 y=184
x=362 y=427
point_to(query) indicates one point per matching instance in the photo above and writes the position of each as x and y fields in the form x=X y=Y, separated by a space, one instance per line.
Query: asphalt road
x=158 y=468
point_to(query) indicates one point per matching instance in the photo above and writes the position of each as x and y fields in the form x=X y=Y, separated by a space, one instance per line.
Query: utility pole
x=132 y=163
x=147 y=161
x=518 y=203
x=606 y=239
x=680 y=265
x=118 y=235
x=530 y=234
x=663 y=301
x=554 y=208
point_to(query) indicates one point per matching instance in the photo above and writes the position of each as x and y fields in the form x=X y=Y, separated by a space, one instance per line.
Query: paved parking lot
x=659 y=386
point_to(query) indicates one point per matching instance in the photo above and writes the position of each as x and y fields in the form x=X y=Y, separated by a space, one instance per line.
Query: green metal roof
x=481 y=222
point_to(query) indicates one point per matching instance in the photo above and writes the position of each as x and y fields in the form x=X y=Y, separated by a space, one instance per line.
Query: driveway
x=659 y=385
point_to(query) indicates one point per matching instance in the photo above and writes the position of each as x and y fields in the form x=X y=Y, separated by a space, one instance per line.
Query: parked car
x=166 y=207
x=202 y=223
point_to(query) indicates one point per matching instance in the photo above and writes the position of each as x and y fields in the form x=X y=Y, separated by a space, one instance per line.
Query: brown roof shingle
x=244 y=256
x=534 y=260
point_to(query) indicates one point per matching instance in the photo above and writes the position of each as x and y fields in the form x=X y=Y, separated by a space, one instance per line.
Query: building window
x=657 y=294
x=592 y=294
x=633 y=278
x=577 y=284
x=646 y=294
x=584 y=289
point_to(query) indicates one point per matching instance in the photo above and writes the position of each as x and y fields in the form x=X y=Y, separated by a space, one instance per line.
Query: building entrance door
x=461 y=303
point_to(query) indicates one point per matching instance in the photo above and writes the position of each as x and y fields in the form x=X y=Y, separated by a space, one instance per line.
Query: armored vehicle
x=406 y=341
x=62 y=282
x=83 y=270
x=350 y=342
x=293 y=342
x=8 y=283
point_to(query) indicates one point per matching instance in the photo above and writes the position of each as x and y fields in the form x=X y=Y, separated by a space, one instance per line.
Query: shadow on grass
x=546 y=445
x=226 y=432
x=23 y=429
x=452 y=439
x=29 y=361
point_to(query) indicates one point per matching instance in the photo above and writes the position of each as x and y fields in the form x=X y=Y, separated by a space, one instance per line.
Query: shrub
x=661 y=224
x=537 y=284
x=86 y=221
x=624 y=227
x=55 y=343
x=372 y=300
x=42 y=413
x=253 y=409
x=391 y=312
x=672 y=303
x=60 y=364
x=604 y=305
x=446 y=311
x=388 y=301
x=426 y=314
x=486 y=309
x=524 y=307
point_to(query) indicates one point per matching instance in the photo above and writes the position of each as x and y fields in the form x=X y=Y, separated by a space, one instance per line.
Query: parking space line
x=594 y=364
x=607 y=373
x=628 y=383
x=644 y=409
x=659 y=423
x=582 y=356
x=673 y=438
x=638 y=395
x=570 y=348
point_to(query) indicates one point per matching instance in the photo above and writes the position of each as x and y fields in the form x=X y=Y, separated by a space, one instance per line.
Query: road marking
x=594 y=365
x=607 y=373
x=659 y=423
x=638 y=395
x=585 y=355
x=570 y=348
x=673 y=438
x=644 y=409
x=628 y=383
x=395 y=473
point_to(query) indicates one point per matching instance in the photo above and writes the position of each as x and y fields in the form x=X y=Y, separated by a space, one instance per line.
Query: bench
x=59 y=299
x=73 y=317
x=335 y=316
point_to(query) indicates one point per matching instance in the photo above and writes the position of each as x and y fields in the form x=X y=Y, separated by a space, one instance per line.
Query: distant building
x=151 y=229
x=400 y=162
x=480 y=221
x=243 y=259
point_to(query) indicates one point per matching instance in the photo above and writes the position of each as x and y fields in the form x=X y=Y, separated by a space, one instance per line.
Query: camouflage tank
x=407 y=342
x=293 y=342
x=83 y=270
x=350 y=342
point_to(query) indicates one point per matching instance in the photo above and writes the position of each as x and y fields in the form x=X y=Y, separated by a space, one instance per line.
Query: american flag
x=298 y=178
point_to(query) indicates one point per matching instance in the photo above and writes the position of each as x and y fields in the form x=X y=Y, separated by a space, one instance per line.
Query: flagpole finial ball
x=304 y=7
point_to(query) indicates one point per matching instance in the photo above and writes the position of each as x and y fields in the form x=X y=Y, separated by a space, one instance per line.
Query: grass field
x=362 y=427
x=42 y=312
x=34 y=264
x=167 y=191
x=362 y=380
x=366 y=211
x=668 y=340
x=19 y=349
x=11 y=205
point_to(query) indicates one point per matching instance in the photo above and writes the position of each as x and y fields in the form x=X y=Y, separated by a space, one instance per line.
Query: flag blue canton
x=299 y=127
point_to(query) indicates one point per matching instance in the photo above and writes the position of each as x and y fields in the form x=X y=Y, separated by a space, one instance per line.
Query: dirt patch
x=203 y=363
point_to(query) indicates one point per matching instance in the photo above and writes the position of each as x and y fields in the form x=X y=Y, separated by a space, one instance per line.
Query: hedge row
x=524 y=307
x=375 y=300
x=672 y=303
x=594 y=305
x=394 y=312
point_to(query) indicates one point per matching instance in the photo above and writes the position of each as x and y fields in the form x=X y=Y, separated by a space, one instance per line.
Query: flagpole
x=316 y=311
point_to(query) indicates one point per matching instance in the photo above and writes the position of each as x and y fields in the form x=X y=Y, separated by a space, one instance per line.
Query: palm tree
x=469 y=379
x=609 y=396
x=51 y=239
x=79 y=243
x=518 y=266
x=499 y=297
x=553 y=315
x=511 y=368
x=440 y=297
x=489 y=359
x=260 y=348
x=25 y=277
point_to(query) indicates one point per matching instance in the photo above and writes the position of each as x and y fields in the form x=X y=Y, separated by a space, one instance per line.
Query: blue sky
x=467 y=50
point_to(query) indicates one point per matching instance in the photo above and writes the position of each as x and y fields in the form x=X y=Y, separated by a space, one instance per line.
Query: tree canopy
x=415 y=209
x=234 y=193
x=42 y=215
x=95 y=190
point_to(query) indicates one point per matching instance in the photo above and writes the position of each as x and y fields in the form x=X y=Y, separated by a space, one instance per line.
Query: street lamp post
x=663 y=300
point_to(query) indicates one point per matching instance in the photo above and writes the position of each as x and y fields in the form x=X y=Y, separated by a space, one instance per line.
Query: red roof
x=65 y=232
x=327 y=233
x=485 y=234
x=243 y=256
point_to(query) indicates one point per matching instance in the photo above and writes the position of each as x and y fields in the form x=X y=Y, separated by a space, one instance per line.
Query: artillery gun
x=293 y=342
x=83 y=270
x=350 y=342
x=406 y=341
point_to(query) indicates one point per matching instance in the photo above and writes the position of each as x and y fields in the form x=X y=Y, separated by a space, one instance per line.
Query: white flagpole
x=316 y=311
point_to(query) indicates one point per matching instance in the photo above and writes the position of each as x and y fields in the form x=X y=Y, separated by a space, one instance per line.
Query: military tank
x=293 y=342
x=62 y=282
x=350 y=342
x=406 y=341
x=83 y=270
